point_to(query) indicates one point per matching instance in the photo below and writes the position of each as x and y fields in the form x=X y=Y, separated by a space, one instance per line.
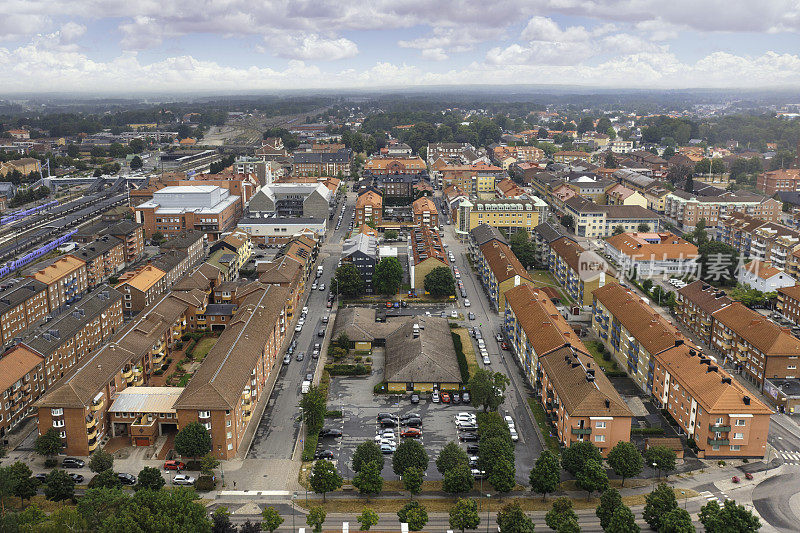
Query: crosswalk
x=709 y=496
x=792 y=458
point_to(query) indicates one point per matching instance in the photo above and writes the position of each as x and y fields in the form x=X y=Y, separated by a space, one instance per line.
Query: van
x=319 y=271
x=305 y=386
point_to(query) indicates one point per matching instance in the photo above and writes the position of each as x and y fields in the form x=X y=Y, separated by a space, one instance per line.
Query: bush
x=310 y=445
x=462 y=359
x=380 y=388
x=158 y=372
x=745 y=460
x=721 y=462
x=205 y=483
x=50 y=462
x=647 y=431
x=333 y=414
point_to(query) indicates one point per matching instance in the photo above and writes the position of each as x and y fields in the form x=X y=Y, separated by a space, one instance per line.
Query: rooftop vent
x=726 y=380
x=608 y=403
x=692 y=353
x=678 y=342
x=746 y=400
x=712 y=368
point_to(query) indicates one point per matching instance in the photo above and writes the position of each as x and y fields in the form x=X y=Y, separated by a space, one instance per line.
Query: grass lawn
x=594 y=349
x=544 y=427
x=202 y=348
x=544 y=277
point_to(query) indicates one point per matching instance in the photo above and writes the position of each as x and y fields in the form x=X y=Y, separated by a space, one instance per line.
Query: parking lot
x=360 y=408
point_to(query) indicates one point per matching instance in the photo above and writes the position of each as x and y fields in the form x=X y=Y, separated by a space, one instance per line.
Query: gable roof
x=502 y=262
x=765 y=335
x=705 y=296
x=426 y=357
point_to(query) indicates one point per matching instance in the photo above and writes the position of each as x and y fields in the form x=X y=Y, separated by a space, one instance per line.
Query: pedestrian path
x=710 y=496
x=790 y=457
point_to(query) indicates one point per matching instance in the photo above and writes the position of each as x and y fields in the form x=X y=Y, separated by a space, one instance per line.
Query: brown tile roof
x=282 y=270
x=762 y=269
x=568 y=370
x=420 y=205
x=792 y=292
x=430 y=357
x=15 y=363
x=380 y=163
x=704 y=296
x=653 y=332
x=62 y=267
x=225 y=372
x=759 y=331
x=543 y=325
x=568 y=250
x=426 y=244
x=637 y=246
x=502 y=261
x=706 y=385
x=370 y=198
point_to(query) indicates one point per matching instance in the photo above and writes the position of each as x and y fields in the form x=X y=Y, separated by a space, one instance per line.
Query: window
x=741 y=421
x=599 y=438
x=600 y=425
x=227 y=423
x=738 y=436
x=230 y=435
x=230 y=446
x=719 y=421
x=735 y=447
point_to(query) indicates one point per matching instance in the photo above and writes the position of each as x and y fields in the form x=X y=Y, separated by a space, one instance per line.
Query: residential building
x=425 y=212
x=580 y=272
x=576 y=395
x=503 y=213
x=259 y=167
x=656 y=196
x=369 y=208
x=128 y=231
x=711 y=408
x=619 y=146
x=66 y=280
x=789 y=303
x=650 y=255
x=104 y=258
x=544 y=234
x=589 y=185
x=141 y=288
x=361 y=251
x=237 y=242
x=24 y=166
x=306 y=200
x=322 y=163
x=394 y=165
x=764 y=277
x=756 y=346
x=598 y=221
x=284 y=272
x=481 y=235
x=570 y=156
x=621 y=195
x=765 y=241
x=696 y=304
x=399 y=186
x=425 y=254
x=469 y=177
x=500 y=271
x=685 y=209
x=206 y=208
x=225 y=262
x=506 y=188
x=773 y=181
x=281 y=229
x=446 y=150
x=22 y=306
x=191 y=242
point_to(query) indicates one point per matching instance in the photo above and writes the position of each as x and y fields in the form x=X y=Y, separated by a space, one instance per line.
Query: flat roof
x=146 y=400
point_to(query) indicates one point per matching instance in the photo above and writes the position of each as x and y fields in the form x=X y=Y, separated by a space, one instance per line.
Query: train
x=17 y=215
x=11 y=266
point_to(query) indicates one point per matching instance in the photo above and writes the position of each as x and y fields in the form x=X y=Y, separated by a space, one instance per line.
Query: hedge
x=647 y=431
x=205 y=483
x=310 y=444
x=345 y=369
x=462 y=359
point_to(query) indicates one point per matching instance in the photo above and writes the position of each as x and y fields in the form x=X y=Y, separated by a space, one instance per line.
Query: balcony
x=718 y=429
x=97 y=405
x=718 y=442
x=92 y=433
x=246 y=415
x=90 y=422
x=58 y=411
x=58 y=423
x=93 y=445
x=138 y=381
x=581 y=431
x=130 y=378
x=158 y=359
x=127 y=373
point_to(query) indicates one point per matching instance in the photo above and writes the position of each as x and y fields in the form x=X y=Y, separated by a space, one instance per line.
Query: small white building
x=279 y=229
x=762 y=276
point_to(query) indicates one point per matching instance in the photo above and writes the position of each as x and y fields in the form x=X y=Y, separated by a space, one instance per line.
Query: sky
x=118 y=46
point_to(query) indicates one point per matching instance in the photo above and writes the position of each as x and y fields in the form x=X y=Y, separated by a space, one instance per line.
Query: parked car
x=445 y=397
x=469 y=426
x=304 y=312
x=415 y=398
x=183 y=479
x=454 y=314
x=330 y=432
x=299 y=327
x=174 y=465
x=471 y=315
x=748 y=475
x=456 y=397
x=411 y=433
x=514 y=435
x=322 y=287
x=468 y=437
x=466 y=302
x=309 y=377
x=41 y=477
x=314 y=286
x=321 y=332
x=287 y=359
x=126 y=479
x=478 y=474
x=486 y=360
x=300 y=356
x=409 y=416
x=465 y=397
x=77 y=478
x=472 y=448
x=324 y=454
x=435 y=397
x=72 y=462
x=384 y=415
x=413 y=422
x=389 y=423
x=735 y=479
x=388 y=448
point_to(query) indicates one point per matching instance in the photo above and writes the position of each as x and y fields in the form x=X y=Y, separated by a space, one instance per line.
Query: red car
x=504 y=346
x=735 y=479
x=388 y=305
x=445 y=398
x=411 y=433
x=174 y=465
x=748 y=475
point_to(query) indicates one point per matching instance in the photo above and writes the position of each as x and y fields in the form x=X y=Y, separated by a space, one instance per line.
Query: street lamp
x=654 y=479
x=683 y=493
x=487 y=512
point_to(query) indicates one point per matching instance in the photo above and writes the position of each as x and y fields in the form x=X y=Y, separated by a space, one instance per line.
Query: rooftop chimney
x=608 y=403
x=746 y=400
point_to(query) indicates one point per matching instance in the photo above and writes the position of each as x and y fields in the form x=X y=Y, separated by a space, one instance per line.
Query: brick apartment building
x=685 y=209
x=128 y=231
x=759 y=239
x=66 y=279
x=785 y=179
x=697 y=303
x=21 y=306
x=369 y=207
x=578 y=271
x=500 y=271
x=104 y=257
x=425 y=212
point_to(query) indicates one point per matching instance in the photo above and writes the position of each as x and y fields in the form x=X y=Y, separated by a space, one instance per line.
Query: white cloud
x=434 y=54
x=310 y=47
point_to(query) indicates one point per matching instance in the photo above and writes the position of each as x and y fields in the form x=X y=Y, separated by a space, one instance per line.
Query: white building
x=278 y=229
x=763 y=276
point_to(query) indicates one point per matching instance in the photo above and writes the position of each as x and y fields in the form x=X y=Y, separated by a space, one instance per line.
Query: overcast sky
x=245 y=45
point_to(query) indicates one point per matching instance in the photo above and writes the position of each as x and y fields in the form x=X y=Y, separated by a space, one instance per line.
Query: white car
x=304 y=312
x=509 y=421
x=299 y=327
x=466 y=302
x=435 y=397
x=322 y=287
x=388 y=448
x=514 y=436
x=486 y=360
x=452 y=259
x=183 y=479
x=467 y=417
x=314 y=286
x=453 y=314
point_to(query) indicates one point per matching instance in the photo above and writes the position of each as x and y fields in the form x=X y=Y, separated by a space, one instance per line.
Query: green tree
x=26 y=488
x=512 y=519
x=367 y=452
x=545 y=475
x=724 y=259
x=523 y=247
x=662 y=457
x=452 y=455
x=412 y=480
x=439 y=282
x=348 y=281
x=717 y=166
x=8 y=484
x=221 y=521
x=492 y=450
x=207 y=464
x=703 y=166
x=324 y=478
x=101 y=460
x=136 y=146
x=610 y=500
x=107 y=479
x=568 y=221
x=730 y=518
x=98 y=504
x=414 y=514
x=618 y=229
x=271 y=519
x=586 y=124
x=193 y=440
x=625 y=460
x=502 y=476
x=58 y=486
x=387 y=276
x=410 y=453
x=458 y=479
x=622 y=521
x=644 y=227
x=390 y=235
x=149 y=478
x=487 y=388
x=48 y=444
x=560 y=513
x=657 y=504
x=136 y=163
x=315 y=519
x=610 y=161
x=73 y=151
x=574 y=458
x=464 y=515
x=314 y=405
x=367 y=519
x=676 y=521
x=592 y=477
x=368 y=480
